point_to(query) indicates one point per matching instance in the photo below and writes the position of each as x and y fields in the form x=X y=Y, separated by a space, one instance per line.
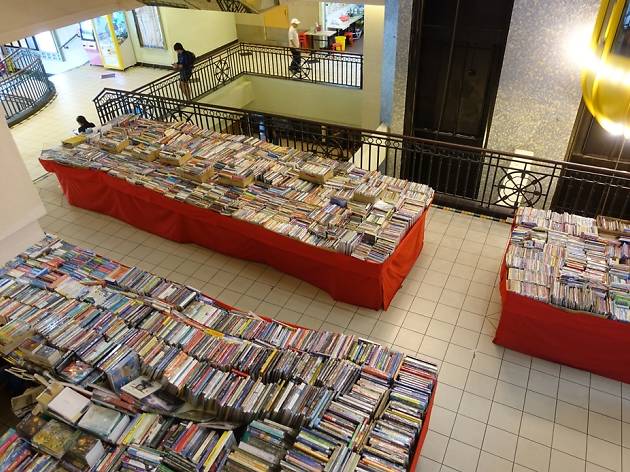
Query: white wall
x=306 y=12
x=20 y=206
x=291 y=98
x=199 y=31
x=22 y=18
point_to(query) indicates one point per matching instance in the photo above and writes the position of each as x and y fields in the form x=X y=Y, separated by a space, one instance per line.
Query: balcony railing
x=468 y=178
x=228 y=63
x=24 y=84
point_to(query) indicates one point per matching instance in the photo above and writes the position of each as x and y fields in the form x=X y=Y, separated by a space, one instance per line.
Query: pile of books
x=616 y=226
x=140 y=354
x=322 y=202
x=562 y=259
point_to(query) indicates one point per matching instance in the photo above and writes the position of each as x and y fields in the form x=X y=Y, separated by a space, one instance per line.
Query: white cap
x=295 y=21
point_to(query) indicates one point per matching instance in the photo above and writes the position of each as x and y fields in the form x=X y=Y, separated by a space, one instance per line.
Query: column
x=20 y=205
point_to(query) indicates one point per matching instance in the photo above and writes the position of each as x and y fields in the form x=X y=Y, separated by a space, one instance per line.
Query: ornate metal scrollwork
x=519 y=187
x=221 y=70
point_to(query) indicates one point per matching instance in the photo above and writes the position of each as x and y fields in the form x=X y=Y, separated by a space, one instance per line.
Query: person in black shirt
x=84 y=124
x=184 y=65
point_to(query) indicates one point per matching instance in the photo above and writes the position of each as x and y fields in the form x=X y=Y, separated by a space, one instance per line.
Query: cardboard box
x=74 y=141
x=173 y=159
x=317 y=179
x=242 y=183
x=114 y=148
x=202 y=178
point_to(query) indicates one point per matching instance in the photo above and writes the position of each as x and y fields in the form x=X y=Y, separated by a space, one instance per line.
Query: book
x=123 y=371
x=85 y=452
x=69 y=405
x=30 y=425
x=55 y=438
x=141 y=387
x=105 y=423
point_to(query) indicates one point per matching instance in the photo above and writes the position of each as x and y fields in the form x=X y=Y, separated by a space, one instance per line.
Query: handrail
x=476 y=179
x=26 y=87
x=233 y=60
x=200 y=58
x=386 y=135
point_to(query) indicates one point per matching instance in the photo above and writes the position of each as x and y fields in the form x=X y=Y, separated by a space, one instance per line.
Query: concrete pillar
x=396 y=41
x=20 y=205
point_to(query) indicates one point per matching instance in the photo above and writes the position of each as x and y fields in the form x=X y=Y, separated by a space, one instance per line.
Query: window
x=149 y=28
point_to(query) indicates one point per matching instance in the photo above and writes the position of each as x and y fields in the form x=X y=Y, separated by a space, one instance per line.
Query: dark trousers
x=295 y=63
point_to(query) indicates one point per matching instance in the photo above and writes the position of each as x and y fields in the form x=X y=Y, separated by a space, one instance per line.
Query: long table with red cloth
x=579 y=340
x=345 y=278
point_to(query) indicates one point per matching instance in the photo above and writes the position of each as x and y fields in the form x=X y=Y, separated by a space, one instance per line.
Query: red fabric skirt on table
x=576 y=339
x=345 y=278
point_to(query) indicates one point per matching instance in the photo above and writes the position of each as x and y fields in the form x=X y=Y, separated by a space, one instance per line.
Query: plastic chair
x=303 y=40
x=341 y=40
x=349 y=38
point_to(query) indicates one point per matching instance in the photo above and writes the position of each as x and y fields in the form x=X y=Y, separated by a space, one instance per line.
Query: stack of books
x=114 y=140
x=563 y=260
x=146 y=353
x=262 y=447
x=318 y=201
x=615 y=226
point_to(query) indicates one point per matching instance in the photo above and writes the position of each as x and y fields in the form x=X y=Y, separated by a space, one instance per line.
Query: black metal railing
x=464 y=177
x=24 y=84
x=225 y=64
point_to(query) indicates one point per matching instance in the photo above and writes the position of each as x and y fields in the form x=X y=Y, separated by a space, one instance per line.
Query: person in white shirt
x=294 y=44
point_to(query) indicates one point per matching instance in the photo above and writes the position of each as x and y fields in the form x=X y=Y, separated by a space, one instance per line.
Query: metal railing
x=464 y=177
x=223 y=65
x=24 y=84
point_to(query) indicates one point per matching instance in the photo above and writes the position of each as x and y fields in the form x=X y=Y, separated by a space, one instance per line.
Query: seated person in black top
x=184 y=65
x=84 y=124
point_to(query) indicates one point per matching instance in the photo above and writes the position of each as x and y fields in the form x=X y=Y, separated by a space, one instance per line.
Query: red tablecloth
x=576 y=339
x=345 y=278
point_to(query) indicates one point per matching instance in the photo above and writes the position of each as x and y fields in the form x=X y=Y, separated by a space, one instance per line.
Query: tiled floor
x=496 y=410
x=75 y=91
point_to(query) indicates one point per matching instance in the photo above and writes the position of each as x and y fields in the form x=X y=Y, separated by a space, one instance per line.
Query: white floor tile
x=540 y=405
x=461 y=457
x=536 y=429
x=561 y=462
x=573 y=393
x=505 y=417
x=605 y=403
x=475 y=407
x=570 y=441
x=442 y=420
x=572 y=416
x=533 y=455
x=500 y=443
x=469 y=431
x=604 y=454
x=491 y=463
x=480 y=385
x=604 y=427
x=510 y=394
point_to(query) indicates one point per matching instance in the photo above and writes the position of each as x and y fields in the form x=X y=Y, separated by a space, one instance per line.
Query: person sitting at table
x=294 y=44
x=84 y=124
